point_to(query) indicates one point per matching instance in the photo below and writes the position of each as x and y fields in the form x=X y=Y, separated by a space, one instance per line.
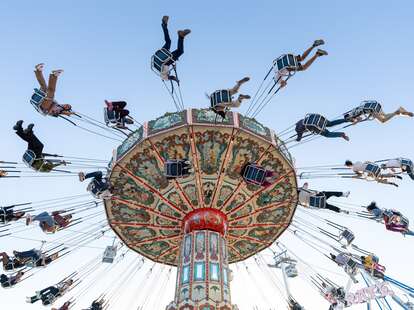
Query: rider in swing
x=166 y=68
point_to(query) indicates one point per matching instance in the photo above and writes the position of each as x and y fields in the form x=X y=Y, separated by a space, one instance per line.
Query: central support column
x=203 y=273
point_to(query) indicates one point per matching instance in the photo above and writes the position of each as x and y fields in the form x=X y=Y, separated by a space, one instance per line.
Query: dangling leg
x=333 y=194
x=312 y=59
x=332 y=134
x=236 y=87
x=307 y=52
x=180 y=45
x=51 y=88
x=383 y=118
x=39 y=76
x=34 y=143
x=167 y=39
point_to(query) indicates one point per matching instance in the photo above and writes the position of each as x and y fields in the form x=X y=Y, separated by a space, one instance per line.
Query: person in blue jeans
x=99 y=186
x=300 y=129
x=165 y=71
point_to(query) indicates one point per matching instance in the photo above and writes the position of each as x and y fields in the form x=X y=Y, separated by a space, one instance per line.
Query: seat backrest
x=29 y=157
x=254 y=174
x=315 y=123
x=159 y=59
x=371 y=107
x=372 y=169
x=317 y=201
x=173 y=168
x=283 y=62
x=220 y=96
x=37 y=99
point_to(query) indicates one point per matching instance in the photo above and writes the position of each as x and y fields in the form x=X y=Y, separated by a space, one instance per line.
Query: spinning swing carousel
x=204 y=221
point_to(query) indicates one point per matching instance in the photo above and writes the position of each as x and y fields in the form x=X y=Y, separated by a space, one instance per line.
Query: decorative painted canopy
x=147 y=210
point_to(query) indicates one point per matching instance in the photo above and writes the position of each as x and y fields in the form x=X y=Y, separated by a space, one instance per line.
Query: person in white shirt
x=281 y=75
x=221 y=107
x=306 y=195
x=361 y=172
x=397 y=165
x=166 y=68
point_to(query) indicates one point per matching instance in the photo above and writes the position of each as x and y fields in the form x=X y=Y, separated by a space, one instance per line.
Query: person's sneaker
x=399 y=177
x=191 y=170
x=345 y=137
x=320 y=52
x=346 y=194
x=318 y=43
x=29 y=128
x=187 y=162
x=40 y=67
x=403 y=111
x=81 y=176
x=57 y=72
x=165 y=19
x=18 y=125
x=243 y=80
x=244 y=97
x=183 y=33
x=109 y=105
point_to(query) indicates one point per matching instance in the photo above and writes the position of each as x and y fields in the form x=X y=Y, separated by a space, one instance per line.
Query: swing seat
x=291 y=271
x=370 y=107
x=109 y=254
x=347 y=235
x=37 y=99
x=29 y=158
x=254 y=174
x=373 y=170
x=315 y=123
x=175 y=168
x=159 y=59
x=399 y=219
x=317 y=202
x=351 y=264
x=407 y=163
x=220 y=96
x=111 y=119
x=97 y=191
x=285 y=65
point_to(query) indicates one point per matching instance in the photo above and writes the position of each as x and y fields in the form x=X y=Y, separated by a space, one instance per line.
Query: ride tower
x=204 y=221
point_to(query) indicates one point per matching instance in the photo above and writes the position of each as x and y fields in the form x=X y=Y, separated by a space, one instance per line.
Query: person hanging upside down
x=370 y=264
x=121 y=114
x=370 y=171
x=100 y=187
x=97 y=304
x=34 y=145
x=38 y=258
x=7 y=214
x=166 y=67
x=280 y=77
x=301 y=128
x=11 y=263
x=346 y=261
x=314 y=199
x=177 y=168
x=220 y=104
x=51 y=293
x=49 y=105
x=50 y=223
x=9 y=281
x=373 y=109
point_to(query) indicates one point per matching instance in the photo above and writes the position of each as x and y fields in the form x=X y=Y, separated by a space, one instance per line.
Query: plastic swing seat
x=109 y=254
x=407 y=163
x=254 y=174
x=285 y=65
x=372 y=170
x=220 y=96
x=317 y=202
x=159 y=59
x=37 y=99
x=112 y=120
x=315 y=123
x=347 y=235
x=29 y=158
x=174 y=168
x=370 y=107
x=399 y=219
x=291 y=271
x=351 y=264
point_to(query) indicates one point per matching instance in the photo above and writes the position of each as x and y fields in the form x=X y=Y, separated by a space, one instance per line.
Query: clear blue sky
x=105 y=47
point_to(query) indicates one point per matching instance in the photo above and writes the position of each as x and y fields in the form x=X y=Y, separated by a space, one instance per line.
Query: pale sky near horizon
x=105 y=48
